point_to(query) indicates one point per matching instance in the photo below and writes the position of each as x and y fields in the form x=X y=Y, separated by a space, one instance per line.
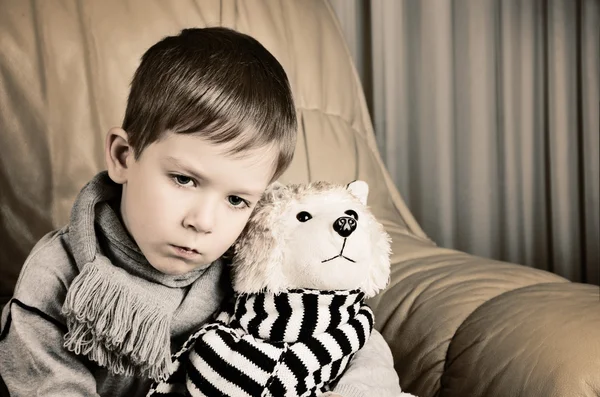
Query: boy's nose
x=201 y=220
x=344 y=225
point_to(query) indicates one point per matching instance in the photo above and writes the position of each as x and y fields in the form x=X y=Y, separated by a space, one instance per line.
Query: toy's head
x=319 y=236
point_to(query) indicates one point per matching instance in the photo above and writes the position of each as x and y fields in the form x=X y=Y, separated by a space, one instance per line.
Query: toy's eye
x=303 y=216
x=352 y=213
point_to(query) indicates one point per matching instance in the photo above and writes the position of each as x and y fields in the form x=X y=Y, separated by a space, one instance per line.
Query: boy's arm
x=371 y=372
x=33 y=361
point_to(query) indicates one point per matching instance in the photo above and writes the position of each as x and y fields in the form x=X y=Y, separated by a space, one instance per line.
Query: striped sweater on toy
x=289 y=344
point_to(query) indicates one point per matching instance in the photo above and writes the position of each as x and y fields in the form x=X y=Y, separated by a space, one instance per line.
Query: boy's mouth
x=185 y=251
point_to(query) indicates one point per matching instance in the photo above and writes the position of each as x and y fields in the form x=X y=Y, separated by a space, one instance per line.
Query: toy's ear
x=257 y=265
x=274 y=187
x=359 y=189
x=273 y=193
x=259 y=249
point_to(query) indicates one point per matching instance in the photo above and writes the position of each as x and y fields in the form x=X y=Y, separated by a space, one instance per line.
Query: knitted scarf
x=113 y=311
x=296 y=343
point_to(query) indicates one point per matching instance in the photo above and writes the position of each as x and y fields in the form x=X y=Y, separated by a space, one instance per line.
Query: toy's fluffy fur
x=277 y=252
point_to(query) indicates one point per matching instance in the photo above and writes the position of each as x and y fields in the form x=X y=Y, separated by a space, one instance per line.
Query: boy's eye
x=236 y=201
x=183 y=180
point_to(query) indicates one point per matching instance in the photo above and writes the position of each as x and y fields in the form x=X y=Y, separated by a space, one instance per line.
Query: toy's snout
x=344 y=225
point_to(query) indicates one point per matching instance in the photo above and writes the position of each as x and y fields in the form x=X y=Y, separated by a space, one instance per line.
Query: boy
x=101 y=304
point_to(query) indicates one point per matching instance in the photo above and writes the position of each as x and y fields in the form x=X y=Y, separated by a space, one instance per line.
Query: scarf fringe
x=111 y=326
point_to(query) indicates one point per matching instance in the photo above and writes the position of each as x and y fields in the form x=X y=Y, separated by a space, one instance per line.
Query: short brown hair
x=216 y=82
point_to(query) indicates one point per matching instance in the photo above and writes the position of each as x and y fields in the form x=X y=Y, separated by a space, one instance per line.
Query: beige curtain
x=487 y=115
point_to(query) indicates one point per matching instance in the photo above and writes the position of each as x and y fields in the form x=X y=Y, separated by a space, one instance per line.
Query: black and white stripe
x=290 y=344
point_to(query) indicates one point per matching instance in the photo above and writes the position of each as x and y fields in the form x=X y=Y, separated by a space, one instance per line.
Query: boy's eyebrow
x=197 y=175
x=179 y=164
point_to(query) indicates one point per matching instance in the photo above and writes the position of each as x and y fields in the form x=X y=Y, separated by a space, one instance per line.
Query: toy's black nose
x=344 y=225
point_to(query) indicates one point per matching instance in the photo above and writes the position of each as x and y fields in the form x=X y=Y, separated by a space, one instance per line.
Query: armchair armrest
x=541 y=340
x=461 y=325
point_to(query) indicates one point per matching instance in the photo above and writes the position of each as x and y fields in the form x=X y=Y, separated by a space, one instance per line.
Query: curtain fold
x=486 y=114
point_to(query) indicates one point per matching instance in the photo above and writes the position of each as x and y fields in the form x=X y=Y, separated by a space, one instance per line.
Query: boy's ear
x=116 y=152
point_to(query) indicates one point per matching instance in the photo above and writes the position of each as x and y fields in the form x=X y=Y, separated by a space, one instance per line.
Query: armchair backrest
x=65 y=70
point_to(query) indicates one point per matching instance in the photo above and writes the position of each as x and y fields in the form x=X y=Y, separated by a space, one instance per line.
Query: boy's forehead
x=226 y=149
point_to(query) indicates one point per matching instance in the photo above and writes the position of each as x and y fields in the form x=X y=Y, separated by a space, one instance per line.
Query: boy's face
x=185 y=201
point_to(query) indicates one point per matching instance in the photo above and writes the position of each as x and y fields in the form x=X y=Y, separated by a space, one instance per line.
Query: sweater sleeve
x=33 y=361
x=370 y=372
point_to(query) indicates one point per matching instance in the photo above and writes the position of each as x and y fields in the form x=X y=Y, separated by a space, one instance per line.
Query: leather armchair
x=458 y=325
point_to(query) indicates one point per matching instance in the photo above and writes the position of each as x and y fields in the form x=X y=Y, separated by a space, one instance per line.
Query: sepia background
x=486 y=115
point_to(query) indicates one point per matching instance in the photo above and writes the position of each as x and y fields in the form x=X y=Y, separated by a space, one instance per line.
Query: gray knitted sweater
x=33 y=359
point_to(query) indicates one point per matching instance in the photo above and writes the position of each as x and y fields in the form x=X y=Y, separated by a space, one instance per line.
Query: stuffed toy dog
x=308 y=257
